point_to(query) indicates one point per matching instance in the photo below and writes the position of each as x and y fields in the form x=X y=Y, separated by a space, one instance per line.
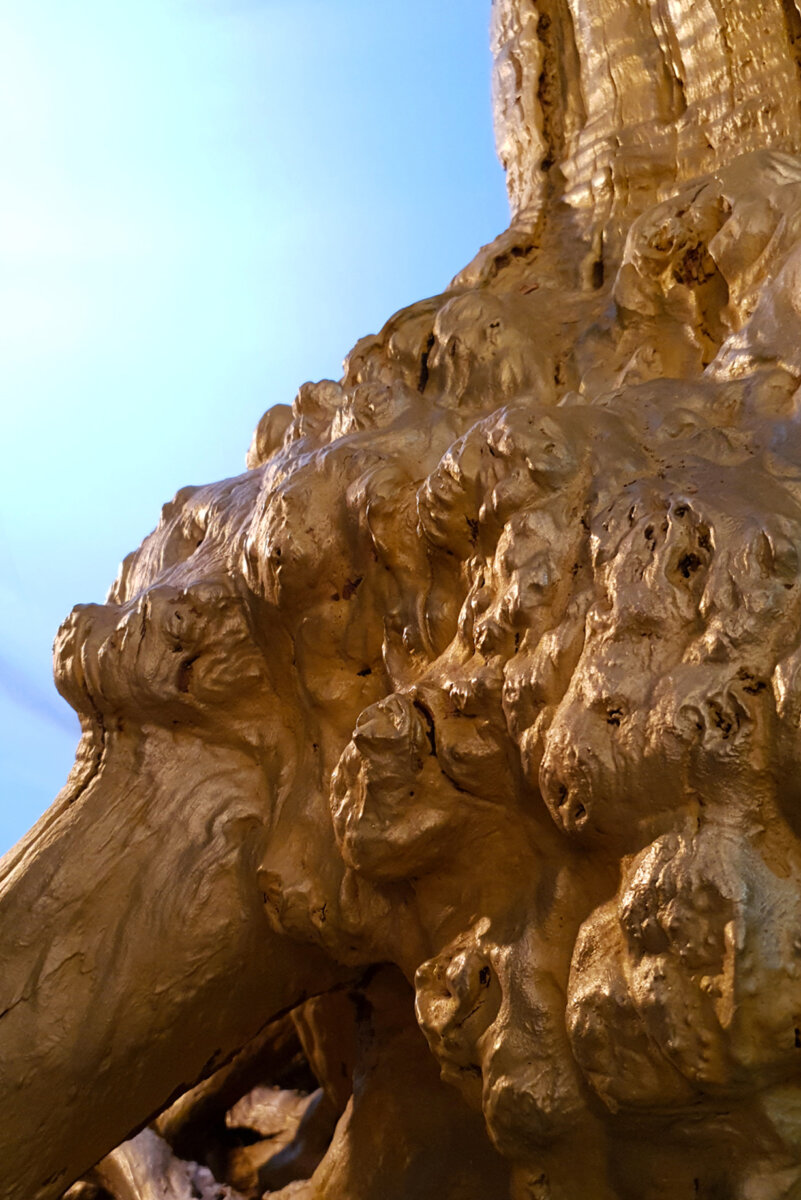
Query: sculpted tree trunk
x=604 y=108
x=489 y=668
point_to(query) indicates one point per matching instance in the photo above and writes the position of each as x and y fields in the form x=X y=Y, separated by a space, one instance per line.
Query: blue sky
x=203 y=203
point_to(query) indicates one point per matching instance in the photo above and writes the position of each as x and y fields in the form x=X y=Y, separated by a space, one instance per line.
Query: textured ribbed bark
x=609 y=106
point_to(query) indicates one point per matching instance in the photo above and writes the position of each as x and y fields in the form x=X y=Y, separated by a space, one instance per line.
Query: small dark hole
x=750 y=683
x=689 y=564
x=484 y=976
x=352 y=586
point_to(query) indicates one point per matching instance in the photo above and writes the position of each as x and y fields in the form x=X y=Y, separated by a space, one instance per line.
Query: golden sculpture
x=471 y=711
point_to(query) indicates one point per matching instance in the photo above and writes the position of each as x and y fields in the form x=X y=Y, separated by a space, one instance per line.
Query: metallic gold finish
x=448 y=758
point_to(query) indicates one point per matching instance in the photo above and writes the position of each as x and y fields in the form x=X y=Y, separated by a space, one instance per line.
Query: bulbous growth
x=436 y=830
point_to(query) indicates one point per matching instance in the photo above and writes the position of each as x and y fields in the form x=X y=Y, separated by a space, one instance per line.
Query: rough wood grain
x=478 y=694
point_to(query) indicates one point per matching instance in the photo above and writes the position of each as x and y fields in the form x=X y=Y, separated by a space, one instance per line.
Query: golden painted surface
x=471 y=710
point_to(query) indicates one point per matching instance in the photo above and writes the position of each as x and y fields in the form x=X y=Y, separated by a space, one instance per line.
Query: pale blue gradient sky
x=202 y=204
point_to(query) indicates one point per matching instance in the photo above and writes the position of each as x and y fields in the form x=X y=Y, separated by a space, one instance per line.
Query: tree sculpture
x=451 y=754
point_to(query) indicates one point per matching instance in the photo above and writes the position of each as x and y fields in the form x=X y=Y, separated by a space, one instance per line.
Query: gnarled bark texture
x=435 y=830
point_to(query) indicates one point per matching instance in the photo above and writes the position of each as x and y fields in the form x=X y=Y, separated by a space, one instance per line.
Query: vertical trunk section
x=604 y=108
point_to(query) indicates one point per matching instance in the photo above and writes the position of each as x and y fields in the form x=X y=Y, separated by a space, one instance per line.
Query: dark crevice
x=688 y=565
x=792 y=21
x=185 y=673
x=11 y=1007
x=429 y=720
x=351 y=587
x=726 y=722
x=503 y=260
x=421 y=386
x=750 y=682
x=470 y=1069
x=550 y=88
